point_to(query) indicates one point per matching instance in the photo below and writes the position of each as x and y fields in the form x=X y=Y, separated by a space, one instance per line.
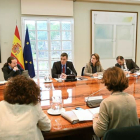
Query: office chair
x=124 y=133
x=82 y=73
x=94 y=137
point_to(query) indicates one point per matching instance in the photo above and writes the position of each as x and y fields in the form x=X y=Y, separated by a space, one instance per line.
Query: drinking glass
x=56 y=104
x=56 y=123
x=59 y=78
x=47 y=77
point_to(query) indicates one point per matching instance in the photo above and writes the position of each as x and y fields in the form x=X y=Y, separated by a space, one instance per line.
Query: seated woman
x=93 y=66
x=119 y=109
x=21 y=116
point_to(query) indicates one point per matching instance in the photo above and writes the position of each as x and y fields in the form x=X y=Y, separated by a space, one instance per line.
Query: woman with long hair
x=93 y=66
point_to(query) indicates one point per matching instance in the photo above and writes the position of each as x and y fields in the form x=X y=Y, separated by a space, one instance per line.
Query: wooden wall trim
x=111 y=1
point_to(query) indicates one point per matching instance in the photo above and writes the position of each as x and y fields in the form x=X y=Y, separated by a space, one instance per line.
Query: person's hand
x=63 y=76
x=15 y=68
x=127 y=72
x=95 y=75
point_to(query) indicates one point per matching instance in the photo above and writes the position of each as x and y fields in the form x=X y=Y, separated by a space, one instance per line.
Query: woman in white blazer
x=93 y=66
x=21 y=116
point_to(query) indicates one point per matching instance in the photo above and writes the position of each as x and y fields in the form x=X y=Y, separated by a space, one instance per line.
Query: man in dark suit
x=11 y=68
x=63 y=68
x=126 y=64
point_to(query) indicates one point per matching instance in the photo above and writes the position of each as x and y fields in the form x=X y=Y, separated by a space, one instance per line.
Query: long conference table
x=73 y=95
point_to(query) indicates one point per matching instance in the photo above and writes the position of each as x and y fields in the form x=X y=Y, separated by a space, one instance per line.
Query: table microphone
x=94 y=102
x=71 y=71
x=94 y=93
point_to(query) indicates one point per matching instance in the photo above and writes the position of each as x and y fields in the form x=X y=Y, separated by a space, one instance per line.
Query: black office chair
x=82 y=73
x=124 y=133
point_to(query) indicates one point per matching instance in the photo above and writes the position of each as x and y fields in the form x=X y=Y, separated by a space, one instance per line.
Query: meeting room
x=70 y=69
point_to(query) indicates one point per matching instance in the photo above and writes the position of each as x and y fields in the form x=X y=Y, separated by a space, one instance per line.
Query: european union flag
x=28 y=59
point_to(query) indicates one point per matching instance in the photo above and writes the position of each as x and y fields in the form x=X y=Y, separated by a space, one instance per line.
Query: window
x=49 y=38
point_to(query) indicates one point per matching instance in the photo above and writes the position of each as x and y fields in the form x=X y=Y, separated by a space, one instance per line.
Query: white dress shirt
x=22 y=122
x=124 y=67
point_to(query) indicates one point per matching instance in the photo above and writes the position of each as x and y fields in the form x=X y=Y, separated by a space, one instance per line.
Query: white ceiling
x=113 y=1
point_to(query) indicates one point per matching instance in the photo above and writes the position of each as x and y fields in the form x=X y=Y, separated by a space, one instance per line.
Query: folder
x=74 y=116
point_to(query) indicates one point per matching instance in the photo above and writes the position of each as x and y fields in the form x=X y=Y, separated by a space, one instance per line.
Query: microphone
x=71 y=71
x=87 y=98
x=71 y=77
x=93 y=102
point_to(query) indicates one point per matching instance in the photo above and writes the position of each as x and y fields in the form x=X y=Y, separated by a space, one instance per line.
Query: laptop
x=25 y=73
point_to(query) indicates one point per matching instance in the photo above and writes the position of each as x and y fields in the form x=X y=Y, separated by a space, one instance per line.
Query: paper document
x=83 y=115
x=87 y=114
x=78 y=79
x=94 y=110
x=93 y=98
x=95 y=77
x=3 y=82
x=138 y=73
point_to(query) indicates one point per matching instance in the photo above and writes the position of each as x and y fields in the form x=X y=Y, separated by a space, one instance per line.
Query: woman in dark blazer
x=93 y=66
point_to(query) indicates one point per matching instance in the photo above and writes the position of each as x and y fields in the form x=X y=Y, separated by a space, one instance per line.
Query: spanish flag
x=17 y=49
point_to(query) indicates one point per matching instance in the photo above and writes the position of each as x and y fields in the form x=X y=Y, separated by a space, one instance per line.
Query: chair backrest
x=124 y=133
x=82 y=73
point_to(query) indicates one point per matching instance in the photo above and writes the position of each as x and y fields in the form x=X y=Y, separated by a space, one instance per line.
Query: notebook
x=74 y=116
